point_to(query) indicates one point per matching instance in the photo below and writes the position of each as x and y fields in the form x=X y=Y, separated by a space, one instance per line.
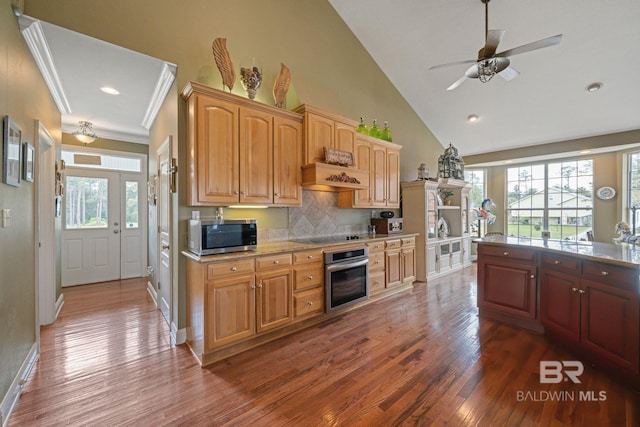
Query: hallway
x=419 y=358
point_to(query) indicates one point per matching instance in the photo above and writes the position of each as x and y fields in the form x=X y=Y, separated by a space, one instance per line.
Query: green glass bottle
x=362 y=128
x=375 y=130
x=386 y=132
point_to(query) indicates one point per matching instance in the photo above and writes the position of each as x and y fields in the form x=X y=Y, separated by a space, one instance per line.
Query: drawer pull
x=377 y=262
x=556 y=262
x=310 y=256
x=253 y=286
x=574 y=289
x=260 y=285
x=276 y=262
x=310 y=277
x=582 y=291
x=310 y=303
x=505 y=253
x=605 y=273
x=533 y=276
x=234 y=269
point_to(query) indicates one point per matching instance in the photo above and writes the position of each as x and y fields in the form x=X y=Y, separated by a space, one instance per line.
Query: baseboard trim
x=10 y=399
x=152 y=291
x=59 y=304
x=178 y=336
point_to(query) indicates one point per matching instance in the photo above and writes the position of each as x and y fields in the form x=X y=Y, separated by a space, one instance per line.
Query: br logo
x=554 y=372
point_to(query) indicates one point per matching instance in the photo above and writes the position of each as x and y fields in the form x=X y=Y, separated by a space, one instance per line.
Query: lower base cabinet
x=589 y=306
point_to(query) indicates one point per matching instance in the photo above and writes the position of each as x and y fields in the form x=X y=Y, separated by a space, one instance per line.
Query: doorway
x=104 y=220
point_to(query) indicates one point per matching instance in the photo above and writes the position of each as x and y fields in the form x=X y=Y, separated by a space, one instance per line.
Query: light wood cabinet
x=274 y=300
x=240 y=151
x=400 y=262
x=408 y=258
x=308 y=295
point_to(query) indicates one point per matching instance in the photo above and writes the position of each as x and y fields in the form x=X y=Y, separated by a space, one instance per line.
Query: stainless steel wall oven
x=346 y=277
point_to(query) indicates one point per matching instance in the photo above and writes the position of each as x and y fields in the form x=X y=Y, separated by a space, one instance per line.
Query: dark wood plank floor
x=421 y=357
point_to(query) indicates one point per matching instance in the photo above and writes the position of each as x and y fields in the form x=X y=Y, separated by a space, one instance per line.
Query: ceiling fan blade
x=549 y=41
x=508 y=74
x=457 y=83
x=469 y=61
x=493 y=40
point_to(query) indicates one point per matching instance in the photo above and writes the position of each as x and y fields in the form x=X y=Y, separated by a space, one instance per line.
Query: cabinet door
x=560 y=304
x=256 y=155
x=393 y=179
x=610 y=323
x=408 y=264
x=393 y=268
x=378 y=176
x=319 y=132
x=363 y=153
x=274 y=299
x=444 y=257
x=216 y=151
x=345 y=137
x=287 y=157
x=230 y=311
x=456 y=254
x=509 y=287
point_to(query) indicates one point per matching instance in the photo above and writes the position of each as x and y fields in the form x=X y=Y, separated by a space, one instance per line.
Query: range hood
x=325 y=177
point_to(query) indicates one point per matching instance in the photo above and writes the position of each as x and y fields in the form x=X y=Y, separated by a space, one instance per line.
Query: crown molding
x=165 y=80
x=33 y=34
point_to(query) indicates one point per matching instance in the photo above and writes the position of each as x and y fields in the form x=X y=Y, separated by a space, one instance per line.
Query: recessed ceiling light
x=110 y=90
x=594 y=87
x=472 y=118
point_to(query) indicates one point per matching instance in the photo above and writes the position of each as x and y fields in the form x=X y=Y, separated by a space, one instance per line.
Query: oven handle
x=346 y=265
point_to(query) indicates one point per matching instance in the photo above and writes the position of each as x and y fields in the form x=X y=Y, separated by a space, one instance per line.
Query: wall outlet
x=6 y=218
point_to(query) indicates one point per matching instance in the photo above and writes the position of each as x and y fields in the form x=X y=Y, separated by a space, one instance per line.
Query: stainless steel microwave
x=217 y=236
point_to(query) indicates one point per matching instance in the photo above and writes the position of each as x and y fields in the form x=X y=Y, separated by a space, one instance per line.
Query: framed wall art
x=12 y=152
x=28 y=162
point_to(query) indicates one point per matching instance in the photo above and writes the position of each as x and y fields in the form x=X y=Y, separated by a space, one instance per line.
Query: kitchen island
x=584 y=295
x=241 y=300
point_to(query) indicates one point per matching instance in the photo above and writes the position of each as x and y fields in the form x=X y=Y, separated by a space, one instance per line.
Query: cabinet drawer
x=375 y=246
x=393 y=244
x=508 y=252
x=311 y=301
x=376 y=261
x=307 y=276
x=376 y=282
x=314 y=255
x=408 y=241
x=281 y=260
x=229 y=268
x=614 y=275
x=561 y=263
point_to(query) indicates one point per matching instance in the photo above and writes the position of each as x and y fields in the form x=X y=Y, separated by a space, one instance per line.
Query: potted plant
x=446 y=196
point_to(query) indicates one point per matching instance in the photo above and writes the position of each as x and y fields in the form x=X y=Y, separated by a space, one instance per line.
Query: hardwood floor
x=421 y=357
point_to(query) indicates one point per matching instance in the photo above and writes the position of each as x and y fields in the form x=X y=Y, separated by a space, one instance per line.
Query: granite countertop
x=624 y=254
x=269 y=248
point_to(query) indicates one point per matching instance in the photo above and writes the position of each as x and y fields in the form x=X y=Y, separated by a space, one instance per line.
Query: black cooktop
x=330 y=239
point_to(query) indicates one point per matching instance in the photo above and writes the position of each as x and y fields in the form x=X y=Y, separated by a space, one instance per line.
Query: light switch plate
x=6 y=218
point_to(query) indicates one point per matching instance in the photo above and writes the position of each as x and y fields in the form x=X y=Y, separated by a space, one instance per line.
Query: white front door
x=91 y=227
x=164 y=230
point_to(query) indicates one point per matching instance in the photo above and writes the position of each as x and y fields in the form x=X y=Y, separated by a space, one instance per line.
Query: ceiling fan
x=490 y=63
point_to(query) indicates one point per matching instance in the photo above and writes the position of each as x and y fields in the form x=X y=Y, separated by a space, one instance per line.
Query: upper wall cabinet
x=324 y=129
x=240 y=151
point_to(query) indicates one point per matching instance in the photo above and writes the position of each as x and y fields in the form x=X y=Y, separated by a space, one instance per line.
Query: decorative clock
x=606 y=193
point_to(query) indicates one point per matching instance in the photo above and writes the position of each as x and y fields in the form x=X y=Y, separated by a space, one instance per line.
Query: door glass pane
x=131 y=202
x=87 y=202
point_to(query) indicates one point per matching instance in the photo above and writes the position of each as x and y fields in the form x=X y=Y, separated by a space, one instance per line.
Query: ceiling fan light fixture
x=487 y=69
x=86 y=135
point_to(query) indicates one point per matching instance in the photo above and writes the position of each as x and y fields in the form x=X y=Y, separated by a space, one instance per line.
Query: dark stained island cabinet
x=584 y=295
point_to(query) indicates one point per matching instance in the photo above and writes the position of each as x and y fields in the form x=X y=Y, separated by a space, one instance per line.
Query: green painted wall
x=24 y=97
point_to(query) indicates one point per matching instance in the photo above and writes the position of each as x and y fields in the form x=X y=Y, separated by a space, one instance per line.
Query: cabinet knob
x=310 y=256
x=235 y=192
x=234 y=269
x=377 y=282
x=253 y=286
x=605 y=273
x=505 y=253
x=556 y=262
x=582 y=291
x=377 y=262
x=276 y=194
x=243 y=193
x=310 y=303
x=310 y=277
x=574 y=289
x=533 y=276
x=276 y=262
x=260 y=285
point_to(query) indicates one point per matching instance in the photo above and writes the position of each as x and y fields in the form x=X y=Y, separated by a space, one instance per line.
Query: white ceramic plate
x=606 y=193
